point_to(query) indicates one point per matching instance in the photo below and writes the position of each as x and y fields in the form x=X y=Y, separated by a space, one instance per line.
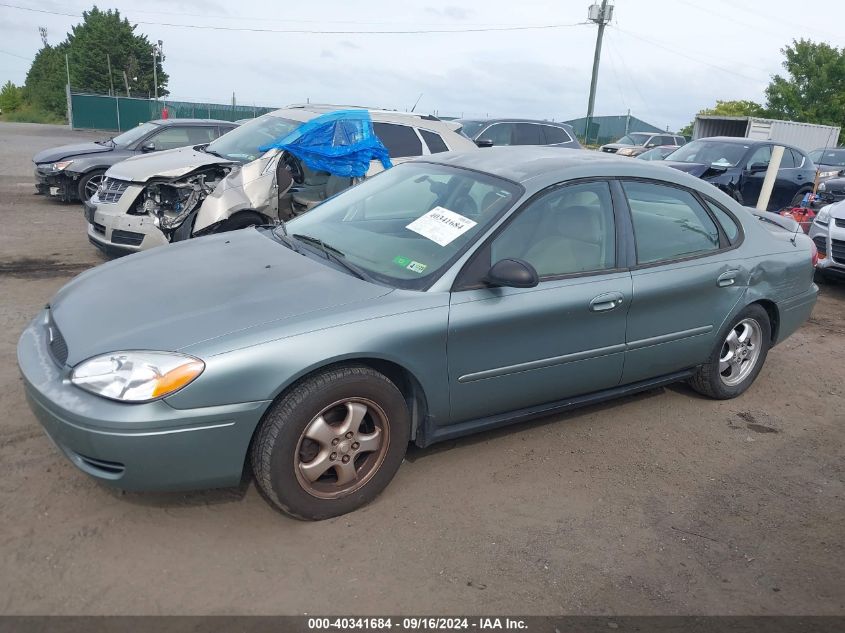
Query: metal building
x=606 y=129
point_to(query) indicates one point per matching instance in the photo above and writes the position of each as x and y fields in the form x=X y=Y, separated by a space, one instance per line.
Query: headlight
x=625 y=151
x=823 y=216
x=136 y=376
x=62 y=165
x=828 y=174
x=822 y=187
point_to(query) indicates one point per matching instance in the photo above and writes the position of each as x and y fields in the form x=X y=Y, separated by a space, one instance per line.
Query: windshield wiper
x=212 y=152
x=332 y=254
x=108 y=140
x=283 y=237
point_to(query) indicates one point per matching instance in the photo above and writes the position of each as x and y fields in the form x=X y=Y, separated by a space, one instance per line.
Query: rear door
x=687 y=279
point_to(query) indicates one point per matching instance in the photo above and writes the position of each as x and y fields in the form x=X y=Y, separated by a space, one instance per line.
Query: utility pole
x=158 y=52
x=111 y=77
x=599 y=14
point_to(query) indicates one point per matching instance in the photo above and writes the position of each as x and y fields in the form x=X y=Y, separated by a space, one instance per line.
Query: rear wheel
x=798 y=198
x=89 y=183
x=738 y=357
x=332 y=443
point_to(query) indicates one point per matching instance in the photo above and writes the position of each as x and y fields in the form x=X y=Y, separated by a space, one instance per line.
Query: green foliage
x=10 y=97
x=101 y=35
x=814 y=88
x=29 y=114
x=728 y=108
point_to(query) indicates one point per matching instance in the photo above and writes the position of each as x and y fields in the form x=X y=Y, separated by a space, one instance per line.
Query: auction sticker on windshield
x=441 y=225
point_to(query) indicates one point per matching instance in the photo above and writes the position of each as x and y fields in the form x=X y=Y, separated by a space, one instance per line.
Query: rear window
x=400 y=140
x=555 y=135
x=435 y=142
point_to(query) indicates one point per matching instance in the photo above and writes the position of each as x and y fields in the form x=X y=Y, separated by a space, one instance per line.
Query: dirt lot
x=662 y=503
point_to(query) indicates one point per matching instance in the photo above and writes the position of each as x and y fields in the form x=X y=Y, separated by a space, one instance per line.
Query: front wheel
x=89 y=183
x=332 y=443
x=738 y=356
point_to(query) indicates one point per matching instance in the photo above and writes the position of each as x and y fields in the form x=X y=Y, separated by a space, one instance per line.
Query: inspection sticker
x=441 y=225
x=416 y=267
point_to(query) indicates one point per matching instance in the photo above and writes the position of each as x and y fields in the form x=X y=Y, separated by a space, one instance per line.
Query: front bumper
x=830 y=243
x=116 y=232
x=150 y=446
x=56 y=184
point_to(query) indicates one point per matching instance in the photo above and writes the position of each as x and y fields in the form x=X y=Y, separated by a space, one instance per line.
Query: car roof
x=520 y=163
x=747 y=141
x=514 y=120
x=169 y=122
x=306 y=112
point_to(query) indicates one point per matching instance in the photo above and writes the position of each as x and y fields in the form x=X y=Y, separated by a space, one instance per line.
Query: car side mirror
x=512 y=273
x=484 y=142
x=148 y=147
x=757 y=167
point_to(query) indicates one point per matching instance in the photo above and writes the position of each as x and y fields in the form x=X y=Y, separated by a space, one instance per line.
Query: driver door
x=752 y=181
x=511 y=348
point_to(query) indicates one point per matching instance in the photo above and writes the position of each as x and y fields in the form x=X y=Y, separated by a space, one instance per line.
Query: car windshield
x=833 y=157
x=713 y=153
x=242 y=143
x=657 y=153
x=405 y=226
x=634 y=139
x=471 y=128
x=133 y=135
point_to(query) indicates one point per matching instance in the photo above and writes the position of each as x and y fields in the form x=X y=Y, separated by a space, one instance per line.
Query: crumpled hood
x=68 y=151
x=171 y=297
x=171 y=163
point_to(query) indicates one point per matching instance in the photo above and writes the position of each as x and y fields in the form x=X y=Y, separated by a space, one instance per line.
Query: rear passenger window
x=435 y=142
x=788 y=160
x=527 y=134
x=729 y=225
x=555 y=135
x=400 y=140
x=668 y=223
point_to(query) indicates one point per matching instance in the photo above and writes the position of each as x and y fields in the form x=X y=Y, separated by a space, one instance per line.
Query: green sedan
x=449 y=295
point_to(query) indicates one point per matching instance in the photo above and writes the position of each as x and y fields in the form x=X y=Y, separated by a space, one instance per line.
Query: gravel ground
x=664 y=503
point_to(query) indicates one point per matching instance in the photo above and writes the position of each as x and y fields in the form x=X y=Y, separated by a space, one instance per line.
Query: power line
x=681 y=54
x=28 y=59
x=317 y=31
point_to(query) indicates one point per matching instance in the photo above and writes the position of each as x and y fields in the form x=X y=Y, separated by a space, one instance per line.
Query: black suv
x=490 y=132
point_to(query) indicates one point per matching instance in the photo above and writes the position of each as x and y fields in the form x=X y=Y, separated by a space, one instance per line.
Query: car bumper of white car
x=117 y=233
x=830 y=243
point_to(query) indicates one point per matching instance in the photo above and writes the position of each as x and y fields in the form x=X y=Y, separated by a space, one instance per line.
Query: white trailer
x=807 y=136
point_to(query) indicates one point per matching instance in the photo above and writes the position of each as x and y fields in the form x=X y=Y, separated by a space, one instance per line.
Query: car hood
x=172 y=297
x=66 y=151
x=823 y=167
x=837 y=210
x=171 y=163
x=699 y=170
x=616 y=146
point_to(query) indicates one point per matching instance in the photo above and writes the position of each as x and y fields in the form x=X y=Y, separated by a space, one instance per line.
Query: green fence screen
x=102 y=112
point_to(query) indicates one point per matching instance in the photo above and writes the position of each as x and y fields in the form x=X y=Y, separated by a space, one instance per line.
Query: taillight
x=814 y=254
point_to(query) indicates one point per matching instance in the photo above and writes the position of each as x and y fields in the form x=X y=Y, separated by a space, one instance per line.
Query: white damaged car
x=231 y=184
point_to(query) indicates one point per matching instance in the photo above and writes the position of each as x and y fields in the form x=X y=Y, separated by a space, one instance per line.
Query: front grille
x=129 y=238
x=840 y=223
x=837 y=251
x=111 y=190
x=99 y=228
x=821 y=243
x=56 y=342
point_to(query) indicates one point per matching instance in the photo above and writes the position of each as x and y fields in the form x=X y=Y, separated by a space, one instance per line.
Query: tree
x=814 y=89
x=46 y=79
x=100 y=37
x=728 y=108
x=10 y=97
x=104 y=34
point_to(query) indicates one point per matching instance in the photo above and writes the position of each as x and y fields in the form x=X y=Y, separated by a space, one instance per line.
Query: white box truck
x=807 y=136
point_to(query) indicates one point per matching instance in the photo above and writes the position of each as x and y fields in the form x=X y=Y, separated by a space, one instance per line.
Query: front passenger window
x=500 y=134
x=568 y=230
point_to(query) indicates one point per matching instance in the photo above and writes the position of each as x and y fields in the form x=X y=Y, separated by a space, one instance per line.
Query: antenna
x=42 y=30
x=417 y=102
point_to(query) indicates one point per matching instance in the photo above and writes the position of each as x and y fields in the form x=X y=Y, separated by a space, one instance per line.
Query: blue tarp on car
x=342 y=143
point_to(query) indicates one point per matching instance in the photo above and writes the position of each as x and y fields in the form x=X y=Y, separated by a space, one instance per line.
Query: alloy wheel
x=92 y=185
x=342 y=448
x=740 y=352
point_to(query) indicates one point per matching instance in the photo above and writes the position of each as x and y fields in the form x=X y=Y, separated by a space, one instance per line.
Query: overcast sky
x=662 y=59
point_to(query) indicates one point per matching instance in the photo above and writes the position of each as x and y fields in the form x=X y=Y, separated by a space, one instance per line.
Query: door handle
x=606 y=301
x=727 y=278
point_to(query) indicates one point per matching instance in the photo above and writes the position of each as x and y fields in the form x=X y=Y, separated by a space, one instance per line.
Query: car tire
x=242 y=220
x=88 y=184
x=738 y=356
x=799 y=197
x=331 y=443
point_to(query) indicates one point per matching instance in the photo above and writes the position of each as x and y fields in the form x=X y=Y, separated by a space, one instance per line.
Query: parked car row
x=458 y=291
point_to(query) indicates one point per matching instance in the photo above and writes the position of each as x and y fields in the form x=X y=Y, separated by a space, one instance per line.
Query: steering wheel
x=294 y=168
